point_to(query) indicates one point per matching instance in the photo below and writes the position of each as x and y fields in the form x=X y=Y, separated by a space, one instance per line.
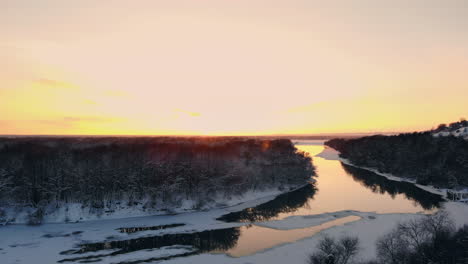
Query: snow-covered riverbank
x=45 y=242
x=76 y=212
x=37 y=241
x=332 y=154
x=285 y=238
x=368 y=229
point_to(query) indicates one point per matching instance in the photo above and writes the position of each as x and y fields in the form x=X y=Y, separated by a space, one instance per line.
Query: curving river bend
x=339 y=192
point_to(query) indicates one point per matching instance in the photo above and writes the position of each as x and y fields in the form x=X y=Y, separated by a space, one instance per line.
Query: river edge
x=75 y=213
x=368 y=230
x=333 y=154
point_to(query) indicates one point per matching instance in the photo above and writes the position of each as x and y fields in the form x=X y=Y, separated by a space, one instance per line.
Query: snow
x=304 y=221
x=329 y=154
x=461 y=132
x=39 y=240
x=16 y=239
x=427 y=188
x=76 y=212
x=42 y=244
x=139 y=255
x=368 y=230
x=317 y=142
x=458 y=212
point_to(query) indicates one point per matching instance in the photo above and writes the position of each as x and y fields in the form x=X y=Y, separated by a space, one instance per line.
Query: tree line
x=100 y=172
x=439 y=161
x=379 y=184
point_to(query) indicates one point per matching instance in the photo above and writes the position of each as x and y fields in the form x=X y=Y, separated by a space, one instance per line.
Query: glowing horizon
x=231 y=67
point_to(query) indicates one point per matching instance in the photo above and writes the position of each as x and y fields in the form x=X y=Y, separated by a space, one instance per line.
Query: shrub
x=331 y=251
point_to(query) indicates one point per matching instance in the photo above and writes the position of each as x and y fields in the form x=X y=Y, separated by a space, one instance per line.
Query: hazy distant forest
x=98 y=171
x=441 y=161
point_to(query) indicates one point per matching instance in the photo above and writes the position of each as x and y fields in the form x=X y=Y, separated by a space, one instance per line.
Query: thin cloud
x=89 y=102
x=70 y=121
x=89 y=119
x=49 y=83
x=53 y=126
x=116 y=93
x=181 y=111
x=307 y=108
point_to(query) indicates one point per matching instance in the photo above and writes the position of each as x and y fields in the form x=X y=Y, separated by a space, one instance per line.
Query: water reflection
x=339 y=187
x=218 y=240
x=285 y=203
x=205 y=241
x=382 y=185
x=130 y=230
x=337 y=190
x=256 y=238
x=236 y=242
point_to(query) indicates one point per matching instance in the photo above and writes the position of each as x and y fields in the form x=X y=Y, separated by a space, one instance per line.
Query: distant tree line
x=440 y=161
x=98 y=172
x=462 y=124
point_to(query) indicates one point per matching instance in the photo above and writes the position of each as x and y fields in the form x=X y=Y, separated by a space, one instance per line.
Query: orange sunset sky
x=225 y=67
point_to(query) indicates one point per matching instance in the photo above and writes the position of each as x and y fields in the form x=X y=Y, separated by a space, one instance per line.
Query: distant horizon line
x=201 y=135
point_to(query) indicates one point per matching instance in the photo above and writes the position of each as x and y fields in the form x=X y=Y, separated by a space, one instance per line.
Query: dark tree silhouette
x=440 y=161
x=103 y=173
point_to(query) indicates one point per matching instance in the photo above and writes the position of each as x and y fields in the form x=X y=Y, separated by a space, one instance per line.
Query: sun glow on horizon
x=231 y=67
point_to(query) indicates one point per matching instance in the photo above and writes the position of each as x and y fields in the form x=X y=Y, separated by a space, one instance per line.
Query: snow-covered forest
x=424 y=157
x=102 y=173
x=456 y=129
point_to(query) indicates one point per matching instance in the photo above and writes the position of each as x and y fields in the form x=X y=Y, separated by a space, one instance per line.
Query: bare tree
x=5 y=179
x=392 y=249
x=417 y=240
x=331 y=251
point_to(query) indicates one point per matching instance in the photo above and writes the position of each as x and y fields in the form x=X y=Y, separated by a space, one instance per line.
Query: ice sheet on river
x=329 y=154
x=304 y=221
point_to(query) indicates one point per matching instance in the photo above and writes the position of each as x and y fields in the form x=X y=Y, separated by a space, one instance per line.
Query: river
x=339 y=191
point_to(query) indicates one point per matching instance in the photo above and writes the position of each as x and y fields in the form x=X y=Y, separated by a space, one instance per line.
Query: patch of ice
x=368 y=230
x=303 y=221
x=316 y=142
x=136 y=256
x=329 y=154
